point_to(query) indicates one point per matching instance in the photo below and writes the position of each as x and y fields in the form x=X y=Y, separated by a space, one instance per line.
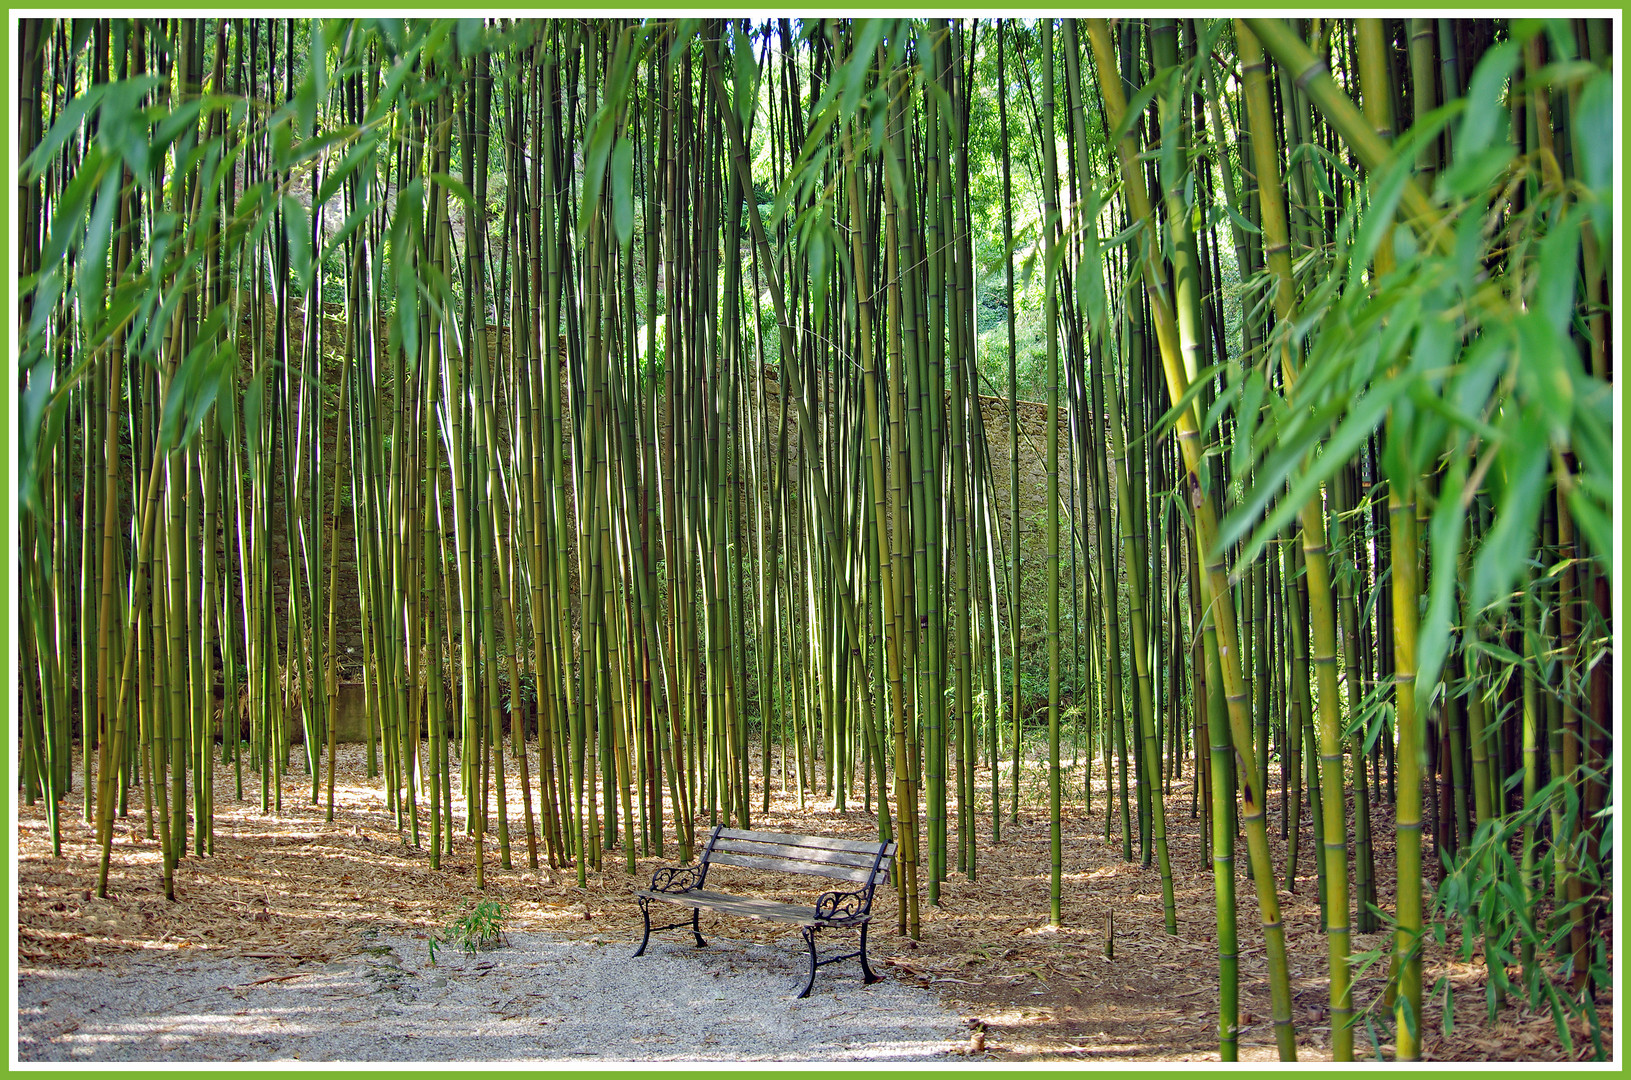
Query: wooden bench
x=865 y=864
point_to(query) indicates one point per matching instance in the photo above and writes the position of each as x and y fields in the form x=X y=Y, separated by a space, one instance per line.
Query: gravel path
x=541 y=998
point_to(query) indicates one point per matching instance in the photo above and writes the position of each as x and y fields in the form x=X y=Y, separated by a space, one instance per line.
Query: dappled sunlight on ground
x=290 y=887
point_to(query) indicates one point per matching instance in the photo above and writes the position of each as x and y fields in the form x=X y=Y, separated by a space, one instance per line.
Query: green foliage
x=1476 y=368
x=1487 y=894
x=481 y=926
x=146 y=132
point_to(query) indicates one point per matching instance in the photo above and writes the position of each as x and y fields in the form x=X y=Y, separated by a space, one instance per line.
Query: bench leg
x=867 y=976
x=645 y=913
x=809 y=939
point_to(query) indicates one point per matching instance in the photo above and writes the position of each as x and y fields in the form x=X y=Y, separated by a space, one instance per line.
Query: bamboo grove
x=657 y=383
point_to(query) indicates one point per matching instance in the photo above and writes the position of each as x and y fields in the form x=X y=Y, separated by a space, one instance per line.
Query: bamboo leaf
x=1054 y=255
x=193 y=386
x=406 y=228
x=1234 y=216
x=1543 y=377
x=454 y=187
x=1362 y=419
x=1592 y=438
x=297 y=227
x=624 y=59
x=1499 y=653
x=1505 y=549
x=1139 y=102
x=32 y=430
x=1559 y=1018
x=214 y=375
x=599 y=147
x=254 y=395
x=389 y=31
x=304 y=115
x=468 y=34
x=82 y=35
x=1445 y=415
x=1470 y=386
x=1386 y=190
x=125 y=301
x=1592 y=519
x=1444 y=537
x=178 y=121
x=362 y=152
x=1486 y=114
x=93 y=257
x=123 y=123
x=317 y=65
x=337 y=239
x=1170 y=115
x=896 y=179
x=437 y=289
x=684 y=35
x=1407 y=1013
x=868 y=33
x=405 y=324
x=64 y=128
x=623 y=191
x=1375 y=1039
x=1593 y=129
x=391 y=89
x=1419 y=433
x=1170 y=417
x=1472 y=173
x=818 y=258
x=1246 y=418
x=68 y=216
x=744 y=75
x=1090 y=290
x=1555 y=275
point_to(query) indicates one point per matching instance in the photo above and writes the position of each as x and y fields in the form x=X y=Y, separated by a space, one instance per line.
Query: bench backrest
x=823 y=856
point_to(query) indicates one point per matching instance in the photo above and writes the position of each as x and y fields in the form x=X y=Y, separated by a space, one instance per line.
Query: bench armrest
x=841 y=907
x=678 y=879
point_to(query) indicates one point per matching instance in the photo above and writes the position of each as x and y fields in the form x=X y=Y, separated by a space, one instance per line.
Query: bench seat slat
x=789 y=866
x=750 y=906
x=858 y=859
x=820 y=843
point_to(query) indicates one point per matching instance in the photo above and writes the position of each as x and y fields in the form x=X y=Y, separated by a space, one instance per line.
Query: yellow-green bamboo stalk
x=904 y=795
x=1277 y=254
x=1136 y=561
x=1050 y=197
x=869 y=377
x=1178 y=346
x=1402 y=528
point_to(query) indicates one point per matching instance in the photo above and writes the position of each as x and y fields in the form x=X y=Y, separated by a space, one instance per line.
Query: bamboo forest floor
x=291 y=888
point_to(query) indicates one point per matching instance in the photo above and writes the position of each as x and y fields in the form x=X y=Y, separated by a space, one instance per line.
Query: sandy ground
x=293 y=899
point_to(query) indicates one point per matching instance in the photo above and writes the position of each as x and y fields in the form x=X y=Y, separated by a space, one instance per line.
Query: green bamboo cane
x=905 y=798
x=436 y=737
x=966 y=419
x=1405 y=556
x=1050 y=189
x=331 y=680
x=1277 y=252
x=1013 y=425
x=1137 y=560
x=1209 y=694
x=1177 y=350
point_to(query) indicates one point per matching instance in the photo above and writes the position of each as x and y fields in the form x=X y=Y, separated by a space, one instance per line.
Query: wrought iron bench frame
x=865 y=863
